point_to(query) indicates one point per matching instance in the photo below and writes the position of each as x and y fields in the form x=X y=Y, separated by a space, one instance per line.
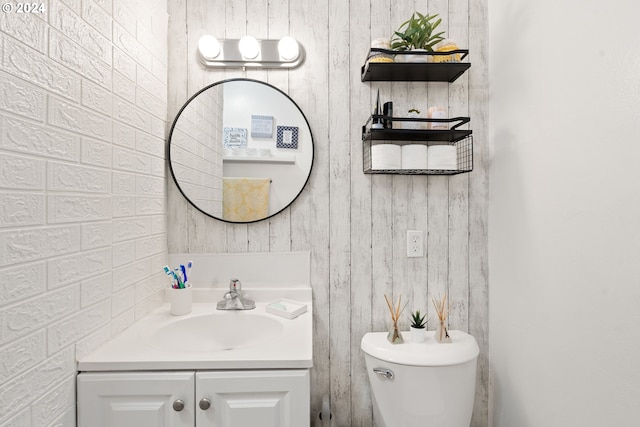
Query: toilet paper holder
x=325 y=417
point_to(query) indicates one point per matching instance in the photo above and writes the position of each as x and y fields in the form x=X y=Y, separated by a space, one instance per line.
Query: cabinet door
x=253 y=398
x=136 y=399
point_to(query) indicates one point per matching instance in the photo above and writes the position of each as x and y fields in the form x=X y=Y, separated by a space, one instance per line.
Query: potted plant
x=417 y=34
x=413 y=113
x=418 y=325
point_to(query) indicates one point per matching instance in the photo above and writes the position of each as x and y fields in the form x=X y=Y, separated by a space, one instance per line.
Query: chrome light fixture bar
x=249 y=52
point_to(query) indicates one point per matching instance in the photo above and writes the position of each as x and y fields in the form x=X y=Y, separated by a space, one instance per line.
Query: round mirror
x=240 y=150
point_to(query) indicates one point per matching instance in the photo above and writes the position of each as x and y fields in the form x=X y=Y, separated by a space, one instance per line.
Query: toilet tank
x=421 y=384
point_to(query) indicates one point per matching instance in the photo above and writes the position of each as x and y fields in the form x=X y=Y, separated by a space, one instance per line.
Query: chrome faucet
x=234 y=300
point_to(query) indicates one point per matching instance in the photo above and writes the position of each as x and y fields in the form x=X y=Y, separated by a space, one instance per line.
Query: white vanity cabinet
x=269 y=398
x=253 y=398
x=136 y=399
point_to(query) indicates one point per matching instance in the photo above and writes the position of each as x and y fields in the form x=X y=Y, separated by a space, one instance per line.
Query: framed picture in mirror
x=261 y=126
x=287 y=137
x=235 y=138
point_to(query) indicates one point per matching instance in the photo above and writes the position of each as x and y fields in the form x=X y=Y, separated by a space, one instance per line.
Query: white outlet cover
x=415 y=243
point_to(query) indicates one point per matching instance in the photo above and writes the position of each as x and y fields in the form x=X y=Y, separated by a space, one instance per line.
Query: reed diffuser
x=440 y=305
x=394 y=336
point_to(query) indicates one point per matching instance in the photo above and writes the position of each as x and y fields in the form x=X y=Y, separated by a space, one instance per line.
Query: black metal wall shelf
x=415 y=135
x=414 y=71
x=452 y=134
x=378 y=68
x=464 y=152
x=460 y=138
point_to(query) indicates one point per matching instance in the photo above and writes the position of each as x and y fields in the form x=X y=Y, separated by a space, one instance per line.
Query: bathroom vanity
x=194 y=398
x=207 y=368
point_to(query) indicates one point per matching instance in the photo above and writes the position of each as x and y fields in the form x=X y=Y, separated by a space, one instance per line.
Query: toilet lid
x=462 y=348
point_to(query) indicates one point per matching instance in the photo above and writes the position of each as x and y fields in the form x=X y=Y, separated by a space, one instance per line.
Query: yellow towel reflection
x=245 y=199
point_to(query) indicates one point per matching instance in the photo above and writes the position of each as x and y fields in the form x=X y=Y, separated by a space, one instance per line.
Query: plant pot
x=417 y=334
x=413 y=125
x=414 y=58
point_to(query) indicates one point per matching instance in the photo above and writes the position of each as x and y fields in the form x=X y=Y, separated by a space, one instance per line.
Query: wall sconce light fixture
x=248 y=52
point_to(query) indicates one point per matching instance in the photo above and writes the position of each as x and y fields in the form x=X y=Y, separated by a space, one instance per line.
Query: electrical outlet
x=415 y=243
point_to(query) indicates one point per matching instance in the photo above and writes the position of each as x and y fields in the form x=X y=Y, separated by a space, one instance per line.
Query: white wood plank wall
x=354 y=224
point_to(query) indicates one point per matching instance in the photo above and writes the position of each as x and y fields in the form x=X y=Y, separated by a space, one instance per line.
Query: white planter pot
x=413 y=125
x=414 y=58
x=417 y=335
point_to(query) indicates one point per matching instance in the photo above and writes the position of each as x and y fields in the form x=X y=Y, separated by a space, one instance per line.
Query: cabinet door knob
x=178 y=405
x=204 y=404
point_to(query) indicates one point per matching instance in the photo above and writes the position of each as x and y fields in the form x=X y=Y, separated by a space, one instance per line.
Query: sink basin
x=218 y=331
x=209 y=339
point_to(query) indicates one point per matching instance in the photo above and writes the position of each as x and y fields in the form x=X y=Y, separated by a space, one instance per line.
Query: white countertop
x=132 y=349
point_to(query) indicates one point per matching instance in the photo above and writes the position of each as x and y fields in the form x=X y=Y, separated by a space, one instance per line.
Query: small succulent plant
x=418 y=32
x=417 y=320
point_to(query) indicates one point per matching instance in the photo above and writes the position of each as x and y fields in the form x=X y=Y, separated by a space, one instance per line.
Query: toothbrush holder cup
x=181 y=300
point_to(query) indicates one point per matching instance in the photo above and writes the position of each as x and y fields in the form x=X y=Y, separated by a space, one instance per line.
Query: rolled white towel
x=414 y=156
x=386 y=156
x=442 y=157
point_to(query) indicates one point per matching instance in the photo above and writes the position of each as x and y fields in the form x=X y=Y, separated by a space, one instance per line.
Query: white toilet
x=421 y=384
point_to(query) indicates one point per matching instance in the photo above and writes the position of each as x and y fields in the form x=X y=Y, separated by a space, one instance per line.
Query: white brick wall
x=83 y=104
x=197 y=141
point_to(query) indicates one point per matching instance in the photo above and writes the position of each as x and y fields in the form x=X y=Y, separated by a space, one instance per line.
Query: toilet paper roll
x=414 y=156
x=442 y=157
x=386 y=156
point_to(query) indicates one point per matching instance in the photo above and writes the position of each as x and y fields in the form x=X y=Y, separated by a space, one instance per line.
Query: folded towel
x=245 y=199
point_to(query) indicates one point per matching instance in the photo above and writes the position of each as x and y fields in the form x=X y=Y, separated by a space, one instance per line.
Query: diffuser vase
x=441 y=333
x=417 y=334
x=440 y=304
x=395 y=336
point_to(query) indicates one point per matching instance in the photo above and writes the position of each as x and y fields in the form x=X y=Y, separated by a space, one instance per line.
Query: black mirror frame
x=168 y=150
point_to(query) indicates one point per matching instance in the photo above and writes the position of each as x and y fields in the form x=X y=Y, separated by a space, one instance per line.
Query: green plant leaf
x=417 y=33
x=417 y=320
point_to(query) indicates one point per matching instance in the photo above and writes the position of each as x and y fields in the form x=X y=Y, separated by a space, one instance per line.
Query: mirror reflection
x=240 y=150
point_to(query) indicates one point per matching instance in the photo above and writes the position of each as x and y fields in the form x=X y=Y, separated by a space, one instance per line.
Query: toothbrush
x=184 y=273
x=179 y=280
x=170 y=273
x=189 y=265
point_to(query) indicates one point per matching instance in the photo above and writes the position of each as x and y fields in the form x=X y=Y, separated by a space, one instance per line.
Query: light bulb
x=249 y=47
x=209 y=47
x=288 y=48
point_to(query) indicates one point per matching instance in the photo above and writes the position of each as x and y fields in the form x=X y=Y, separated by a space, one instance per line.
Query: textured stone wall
x=82 y=190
